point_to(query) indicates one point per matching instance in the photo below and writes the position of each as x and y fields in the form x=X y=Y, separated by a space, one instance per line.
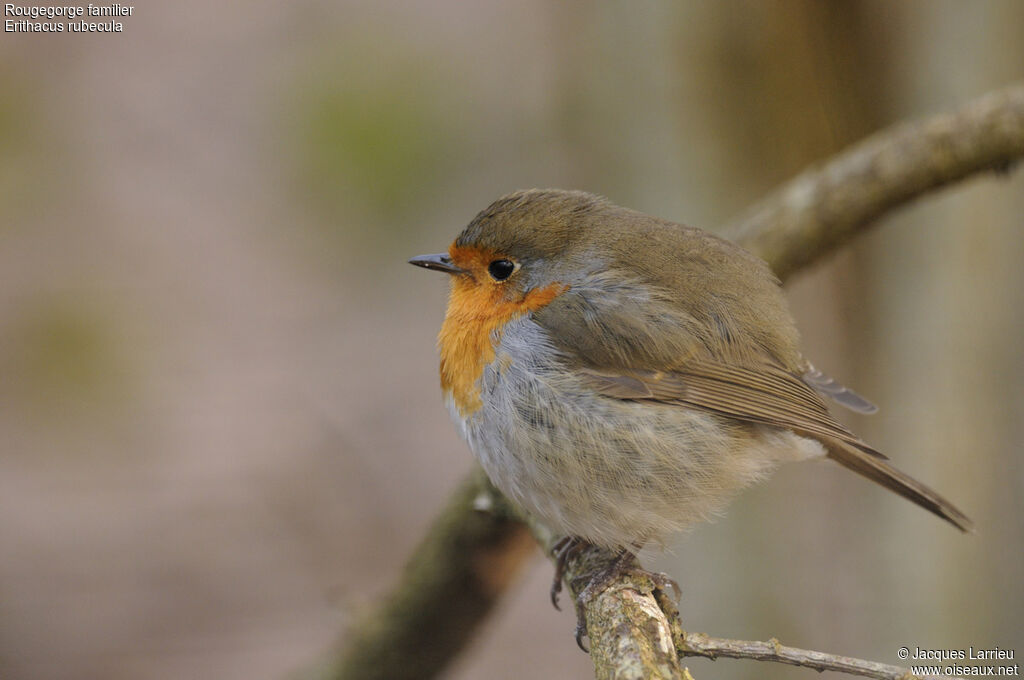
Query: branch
x=824 y=207
x=699 y=644
x=469 y=557
x=461 y=568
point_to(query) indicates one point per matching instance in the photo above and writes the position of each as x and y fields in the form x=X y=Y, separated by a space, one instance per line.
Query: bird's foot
x=620 y=566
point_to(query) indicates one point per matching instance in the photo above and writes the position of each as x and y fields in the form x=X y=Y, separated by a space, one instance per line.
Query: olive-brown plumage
x=621 y=376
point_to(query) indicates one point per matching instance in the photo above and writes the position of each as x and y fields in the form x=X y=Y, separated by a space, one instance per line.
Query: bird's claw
x=562 y=550
x=667 y=584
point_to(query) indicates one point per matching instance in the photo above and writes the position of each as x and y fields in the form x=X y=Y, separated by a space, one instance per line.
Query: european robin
x=620 y=376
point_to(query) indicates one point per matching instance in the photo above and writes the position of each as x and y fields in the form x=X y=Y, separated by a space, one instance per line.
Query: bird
x=621 y=377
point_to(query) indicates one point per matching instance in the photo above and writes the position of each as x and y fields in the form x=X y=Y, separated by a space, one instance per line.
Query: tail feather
x=877 y=470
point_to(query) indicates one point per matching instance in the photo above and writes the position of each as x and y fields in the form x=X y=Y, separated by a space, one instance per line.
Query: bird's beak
x=440 y=262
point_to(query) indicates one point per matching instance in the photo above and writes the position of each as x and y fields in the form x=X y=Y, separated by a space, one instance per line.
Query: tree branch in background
x=470 y=556
x=825 y=206
x=464 y=564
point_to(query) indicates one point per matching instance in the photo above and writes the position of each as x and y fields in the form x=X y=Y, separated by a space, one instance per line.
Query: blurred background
x=221 y=432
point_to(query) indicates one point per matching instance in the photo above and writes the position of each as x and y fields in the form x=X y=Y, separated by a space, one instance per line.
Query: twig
x=446 y=591
x=823 y=207
x=699 y=644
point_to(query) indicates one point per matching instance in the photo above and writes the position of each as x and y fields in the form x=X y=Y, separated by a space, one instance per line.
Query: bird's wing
x=767 y=395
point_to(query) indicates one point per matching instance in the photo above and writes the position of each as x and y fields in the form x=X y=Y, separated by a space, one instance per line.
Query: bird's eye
x=501 y=269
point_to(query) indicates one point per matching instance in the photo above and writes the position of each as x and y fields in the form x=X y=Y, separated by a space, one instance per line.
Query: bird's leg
x=563 y=549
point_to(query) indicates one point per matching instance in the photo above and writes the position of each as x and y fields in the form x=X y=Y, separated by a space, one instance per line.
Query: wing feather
x=828 y=386
x=770 y=396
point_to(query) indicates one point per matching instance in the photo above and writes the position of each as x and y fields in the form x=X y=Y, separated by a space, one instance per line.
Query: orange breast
x=476 y=314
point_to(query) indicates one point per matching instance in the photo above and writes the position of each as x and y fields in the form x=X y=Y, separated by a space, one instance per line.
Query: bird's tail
x=877 y=470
